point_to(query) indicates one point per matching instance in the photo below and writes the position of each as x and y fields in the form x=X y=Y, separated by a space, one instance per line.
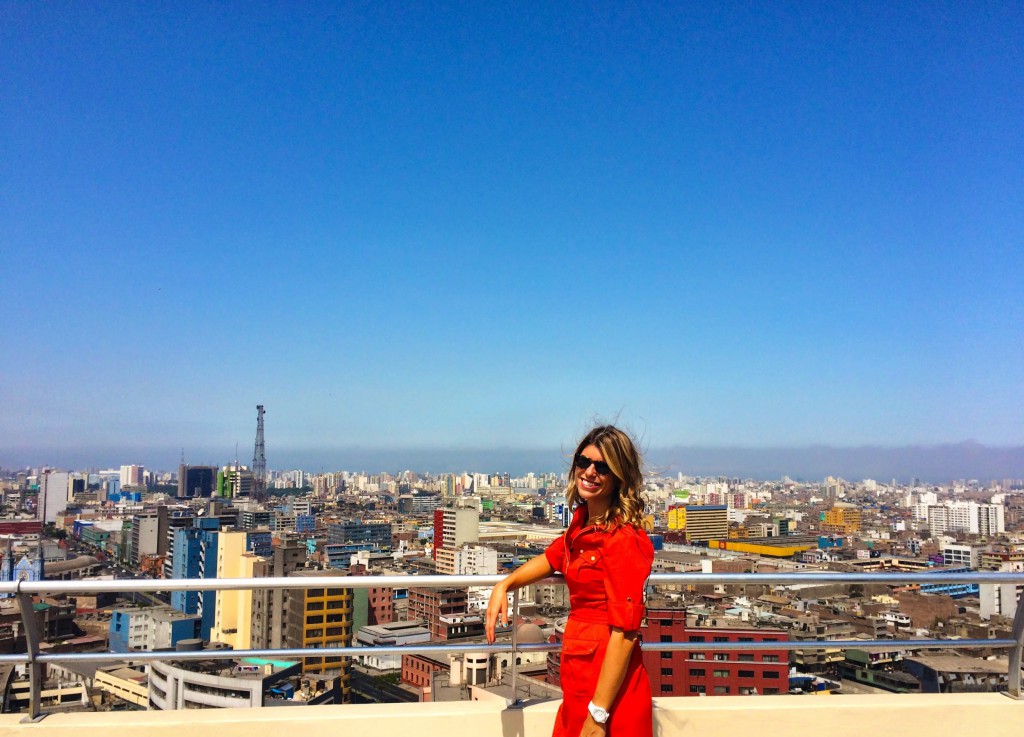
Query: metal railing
x=24 y=590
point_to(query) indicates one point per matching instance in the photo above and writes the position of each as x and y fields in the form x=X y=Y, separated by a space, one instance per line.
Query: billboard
x=677 y=518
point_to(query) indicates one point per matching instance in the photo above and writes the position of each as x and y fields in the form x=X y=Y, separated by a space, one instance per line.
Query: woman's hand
x=497 y=610
x=592 y=728
x=531 y=571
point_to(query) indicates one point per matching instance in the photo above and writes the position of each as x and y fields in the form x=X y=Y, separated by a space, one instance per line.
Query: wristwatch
x=598 y=714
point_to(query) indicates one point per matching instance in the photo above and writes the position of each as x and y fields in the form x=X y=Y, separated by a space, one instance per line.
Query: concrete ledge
x=992 y=715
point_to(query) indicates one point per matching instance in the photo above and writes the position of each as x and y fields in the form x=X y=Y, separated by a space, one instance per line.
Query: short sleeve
x=628 y=555
x=555 y=553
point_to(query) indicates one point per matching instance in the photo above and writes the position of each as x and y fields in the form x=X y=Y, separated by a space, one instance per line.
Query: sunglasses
x=583 y=463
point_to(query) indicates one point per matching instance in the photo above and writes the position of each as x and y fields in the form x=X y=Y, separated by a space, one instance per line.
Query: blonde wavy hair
x=620 y=453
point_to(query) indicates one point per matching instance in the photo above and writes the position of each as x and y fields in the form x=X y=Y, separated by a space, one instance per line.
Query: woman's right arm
x=497 y=606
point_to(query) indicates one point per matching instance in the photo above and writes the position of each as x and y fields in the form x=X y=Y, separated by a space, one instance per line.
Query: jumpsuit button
x=593 y=557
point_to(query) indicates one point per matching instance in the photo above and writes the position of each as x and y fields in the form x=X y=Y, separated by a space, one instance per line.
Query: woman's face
x=592 y=484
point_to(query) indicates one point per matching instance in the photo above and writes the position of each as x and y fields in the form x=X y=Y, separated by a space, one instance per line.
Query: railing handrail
x=23 y=590
x=462 y=581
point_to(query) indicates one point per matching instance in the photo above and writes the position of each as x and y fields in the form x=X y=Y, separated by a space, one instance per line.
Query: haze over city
x=450 y=235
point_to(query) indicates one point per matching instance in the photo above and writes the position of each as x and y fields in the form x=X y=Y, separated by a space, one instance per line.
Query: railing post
x=1013 y=677
x=515 y=645
x=30 y=627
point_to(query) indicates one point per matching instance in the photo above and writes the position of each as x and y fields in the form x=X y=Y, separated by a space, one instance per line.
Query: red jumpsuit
x=606 y=571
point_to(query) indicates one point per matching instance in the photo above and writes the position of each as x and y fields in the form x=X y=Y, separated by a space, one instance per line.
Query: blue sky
x=483 y=225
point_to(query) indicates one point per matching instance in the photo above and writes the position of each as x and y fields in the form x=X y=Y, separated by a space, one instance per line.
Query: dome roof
x=529 y=633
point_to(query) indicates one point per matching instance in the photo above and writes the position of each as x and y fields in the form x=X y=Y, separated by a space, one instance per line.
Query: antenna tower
x=259 y=459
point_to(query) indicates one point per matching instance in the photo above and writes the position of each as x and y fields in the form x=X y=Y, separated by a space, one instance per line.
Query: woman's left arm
x=628 y=558
x=613 y=673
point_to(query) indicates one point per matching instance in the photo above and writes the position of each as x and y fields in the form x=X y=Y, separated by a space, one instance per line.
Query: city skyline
x=483 y=227
x=938 y=464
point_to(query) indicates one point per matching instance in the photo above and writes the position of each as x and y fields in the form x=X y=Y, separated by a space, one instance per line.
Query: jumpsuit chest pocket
x=587 y=567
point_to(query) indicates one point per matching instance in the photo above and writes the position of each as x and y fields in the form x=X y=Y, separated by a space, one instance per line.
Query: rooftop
x=993 y=715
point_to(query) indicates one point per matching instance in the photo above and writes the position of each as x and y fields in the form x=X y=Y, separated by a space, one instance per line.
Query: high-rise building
x=132 y=476
x=456 y=526
x=53 y=495
x=233 y=618
x=196 y=481
x=707 y=522
x=171 y=522
x=195 y=556
x=145 y=537
x=321 y=618
x=287 y=556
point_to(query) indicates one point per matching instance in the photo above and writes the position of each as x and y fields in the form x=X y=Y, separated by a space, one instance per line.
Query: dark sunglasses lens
x=583 y=463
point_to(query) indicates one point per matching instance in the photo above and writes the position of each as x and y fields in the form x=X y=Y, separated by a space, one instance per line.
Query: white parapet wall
x=991 y=715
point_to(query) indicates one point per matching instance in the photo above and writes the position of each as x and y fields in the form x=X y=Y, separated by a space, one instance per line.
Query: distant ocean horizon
x=928 y=463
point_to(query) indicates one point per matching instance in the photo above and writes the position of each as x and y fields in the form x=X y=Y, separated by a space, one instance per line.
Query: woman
x=606 y=558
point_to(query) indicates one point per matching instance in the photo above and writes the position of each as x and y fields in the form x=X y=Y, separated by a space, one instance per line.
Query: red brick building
x=711 y=672
x=437 y=607
x=418 y=670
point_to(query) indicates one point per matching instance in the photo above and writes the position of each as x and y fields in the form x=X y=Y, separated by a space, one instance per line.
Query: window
x=721 y=639
x=746 y=674
x=666 y=638
x=666 y=671
x=665 y=655
x=721 y=674
x=697 y=672
x=666 y=623
x=696 y=638
x=770 y=674
x=721 y=656
x=697 y=656
x=666 y=688
x=746 y=639
x=745 y=657
x=770 y=658
x=721 y=689
x=771 y=691
x=697 y=689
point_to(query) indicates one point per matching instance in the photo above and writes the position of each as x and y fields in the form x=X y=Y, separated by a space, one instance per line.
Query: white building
x=999 y=598
x=132 y=476
x=969 y=517
x=391 y=635
x=962 y=555
x=53 y=494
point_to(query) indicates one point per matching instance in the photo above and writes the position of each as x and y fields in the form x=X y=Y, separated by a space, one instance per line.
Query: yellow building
x=709 y=522
x=842 y=519
x=321 y=618
x=677 y=518
x=233 y=619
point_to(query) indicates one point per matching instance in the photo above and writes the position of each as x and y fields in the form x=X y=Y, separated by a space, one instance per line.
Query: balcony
x=991 y=714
